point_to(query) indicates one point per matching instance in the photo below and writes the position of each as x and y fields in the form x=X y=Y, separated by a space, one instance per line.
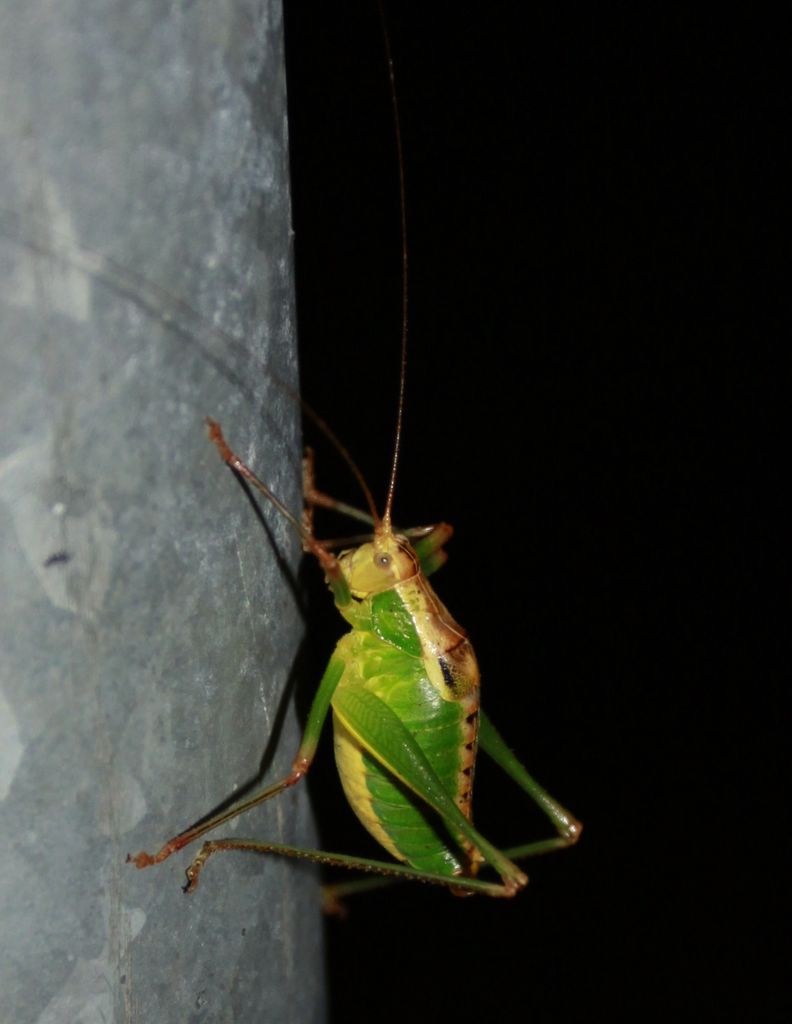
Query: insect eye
x=383 y=561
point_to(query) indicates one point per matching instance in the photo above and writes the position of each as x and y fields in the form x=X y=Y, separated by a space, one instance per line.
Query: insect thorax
x=406 y=613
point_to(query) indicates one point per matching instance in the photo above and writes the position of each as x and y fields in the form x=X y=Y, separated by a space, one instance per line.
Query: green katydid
x=403 y=685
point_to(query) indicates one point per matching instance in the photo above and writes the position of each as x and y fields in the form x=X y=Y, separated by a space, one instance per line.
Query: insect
x=403 y=687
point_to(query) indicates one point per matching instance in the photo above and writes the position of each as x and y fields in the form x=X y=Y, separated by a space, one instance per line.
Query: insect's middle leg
x=300 y=765
x=567 y=826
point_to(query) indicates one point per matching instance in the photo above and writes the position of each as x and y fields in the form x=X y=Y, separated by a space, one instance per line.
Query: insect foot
x=513 y=884
x=145 y=860
x=194 y=870
x=140 y=860
x=332 y=905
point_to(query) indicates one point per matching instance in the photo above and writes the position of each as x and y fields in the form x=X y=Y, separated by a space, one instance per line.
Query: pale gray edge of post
x=148 y=625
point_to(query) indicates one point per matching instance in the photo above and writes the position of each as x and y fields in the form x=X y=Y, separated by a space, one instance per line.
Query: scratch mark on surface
x=243 y=580
x=11 y=749
x=66 y=287
x=250 y=617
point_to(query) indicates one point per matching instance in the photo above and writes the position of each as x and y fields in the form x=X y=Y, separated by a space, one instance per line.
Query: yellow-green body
x=404 y=688
x=407 y=650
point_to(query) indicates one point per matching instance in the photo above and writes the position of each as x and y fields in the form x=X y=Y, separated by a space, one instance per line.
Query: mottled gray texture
x=148 y=627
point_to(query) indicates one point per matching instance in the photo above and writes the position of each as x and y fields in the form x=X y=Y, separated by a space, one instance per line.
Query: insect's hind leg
x=387 y=870
x=385 y=737
x=567 y=826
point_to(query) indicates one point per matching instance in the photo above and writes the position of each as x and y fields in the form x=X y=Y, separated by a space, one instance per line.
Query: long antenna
x=386 y=517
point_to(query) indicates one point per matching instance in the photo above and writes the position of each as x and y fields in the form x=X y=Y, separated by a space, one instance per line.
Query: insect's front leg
x=302 y=762
x=428 y=542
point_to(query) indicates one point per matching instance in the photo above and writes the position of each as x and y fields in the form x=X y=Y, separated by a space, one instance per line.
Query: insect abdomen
x=391 y=813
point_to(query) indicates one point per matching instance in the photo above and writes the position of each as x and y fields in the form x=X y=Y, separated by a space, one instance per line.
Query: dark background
x=589 y=341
